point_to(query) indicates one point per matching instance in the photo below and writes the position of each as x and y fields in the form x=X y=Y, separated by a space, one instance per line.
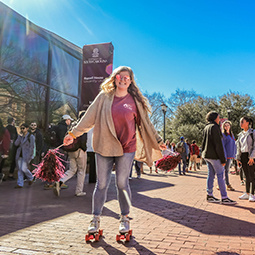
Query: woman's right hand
x=68 y=139
x=251 y=162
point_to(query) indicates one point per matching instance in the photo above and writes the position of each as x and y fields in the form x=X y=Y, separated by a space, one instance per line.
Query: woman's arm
x=252 y=154
x=18 y=140
x=88 y=120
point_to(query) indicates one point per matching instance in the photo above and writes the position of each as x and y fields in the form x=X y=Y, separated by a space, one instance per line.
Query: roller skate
x=125 y=232
x=94 y=232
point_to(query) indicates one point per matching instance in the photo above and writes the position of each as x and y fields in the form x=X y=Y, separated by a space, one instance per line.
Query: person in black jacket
x=78 y=163
x=62 y=128
x=213 y=153
x=38 y=144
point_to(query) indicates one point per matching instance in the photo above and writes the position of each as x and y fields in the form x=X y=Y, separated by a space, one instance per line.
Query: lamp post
x=228 y=111
x=163 y=108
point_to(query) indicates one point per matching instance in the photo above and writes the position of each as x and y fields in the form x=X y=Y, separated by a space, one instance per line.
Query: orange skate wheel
x=97 y=237
x=117 y=238
x=128 y=237
x=100 y=232
x=87 y=237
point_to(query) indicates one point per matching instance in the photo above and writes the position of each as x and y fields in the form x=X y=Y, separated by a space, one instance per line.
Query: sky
x=203 y=45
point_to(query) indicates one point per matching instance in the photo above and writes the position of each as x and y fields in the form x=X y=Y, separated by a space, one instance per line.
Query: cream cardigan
x=105 y=141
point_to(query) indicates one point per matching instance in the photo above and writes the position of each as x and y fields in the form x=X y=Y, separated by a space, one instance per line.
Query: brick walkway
x=169 y=216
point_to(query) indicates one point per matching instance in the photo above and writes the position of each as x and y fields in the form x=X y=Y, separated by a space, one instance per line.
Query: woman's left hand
x=251 y=162
x=162 y=147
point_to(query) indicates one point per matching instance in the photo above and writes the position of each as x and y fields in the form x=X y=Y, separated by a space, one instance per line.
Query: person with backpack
x=213 y=153
x=245 y=156
x=182 y=148
x=78 y=162
x=25 y=152
x=194 y=152
x=5 y=141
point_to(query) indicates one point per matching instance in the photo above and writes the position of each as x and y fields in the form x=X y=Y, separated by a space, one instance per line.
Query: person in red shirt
x=194 y=152
x=116 y=114
x=5 y=140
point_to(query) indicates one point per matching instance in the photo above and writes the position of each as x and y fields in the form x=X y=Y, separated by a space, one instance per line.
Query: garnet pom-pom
x=51 y=168
x=169 y=161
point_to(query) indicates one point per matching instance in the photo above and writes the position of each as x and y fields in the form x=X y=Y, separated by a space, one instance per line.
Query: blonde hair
x=109 y=86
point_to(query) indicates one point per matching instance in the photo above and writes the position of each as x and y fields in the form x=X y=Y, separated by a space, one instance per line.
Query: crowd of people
x=23 y=148
x=220 y=150
x=122 y=133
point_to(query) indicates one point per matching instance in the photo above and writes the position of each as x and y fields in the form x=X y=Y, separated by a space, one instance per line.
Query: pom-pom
x=169 y=161
x=51 y=168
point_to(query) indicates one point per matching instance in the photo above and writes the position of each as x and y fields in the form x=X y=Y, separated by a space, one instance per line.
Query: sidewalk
x=169 y=216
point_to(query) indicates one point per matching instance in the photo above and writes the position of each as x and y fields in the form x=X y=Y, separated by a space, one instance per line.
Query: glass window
x=65 y=71
x=21 y=99
x=61 y=104
x=24 y=51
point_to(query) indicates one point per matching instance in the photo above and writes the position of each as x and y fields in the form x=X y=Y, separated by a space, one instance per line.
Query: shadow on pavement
x=107 y=247
x=31 y=205
x=112 y=250
x=197 y=219
x=21 y=208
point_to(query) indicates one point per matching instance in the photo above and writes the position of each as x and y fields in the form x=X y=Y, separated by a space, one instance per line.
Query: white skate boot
x=124 y=224
x=94 y=224
x=124 y=229
x=94 y=232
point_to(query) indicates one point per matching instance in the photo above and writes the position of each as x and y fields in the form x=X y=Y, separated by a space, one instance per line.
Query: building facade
x=40 y=72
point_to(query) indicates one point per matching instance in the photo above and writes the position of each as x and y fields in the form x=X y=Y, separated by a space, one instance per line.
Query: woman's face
x=23 y=130
x=244 y=124
x=227 y=127
x=123 y=80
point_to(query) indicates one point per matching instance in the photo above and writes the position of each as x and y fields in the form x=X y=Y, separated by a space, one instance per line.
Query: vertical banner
x=97 y=65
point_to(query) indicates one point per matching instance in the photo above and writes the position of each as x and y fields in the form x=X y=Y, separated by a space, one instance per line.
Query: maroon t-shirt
x=124 y=113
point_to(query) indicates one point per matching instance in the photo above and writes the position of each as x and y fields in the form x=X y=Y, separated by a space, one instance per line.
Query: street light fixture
x=228 y=111
x=164 y=108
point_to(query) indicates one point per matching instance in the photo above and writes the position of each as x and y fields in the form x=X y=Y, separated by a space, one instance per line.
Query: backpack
x=51 y=136
x=180 y=147
x=193 y=149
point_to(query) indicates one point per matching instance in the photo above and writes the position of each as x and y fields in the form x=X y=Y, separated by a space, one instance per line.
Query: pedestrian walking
x=13 y=149
x=213 y=153
x=34 y=130
x=194 y=152
x=183 y=149
x=78 y=163
x=119 y=108
x=188 y=154
x=25 y=153
x=245 y=156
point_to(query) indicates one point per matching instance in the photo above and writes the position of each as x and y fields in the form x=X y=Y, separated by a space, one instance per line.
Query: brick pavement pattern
x=169 y=216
